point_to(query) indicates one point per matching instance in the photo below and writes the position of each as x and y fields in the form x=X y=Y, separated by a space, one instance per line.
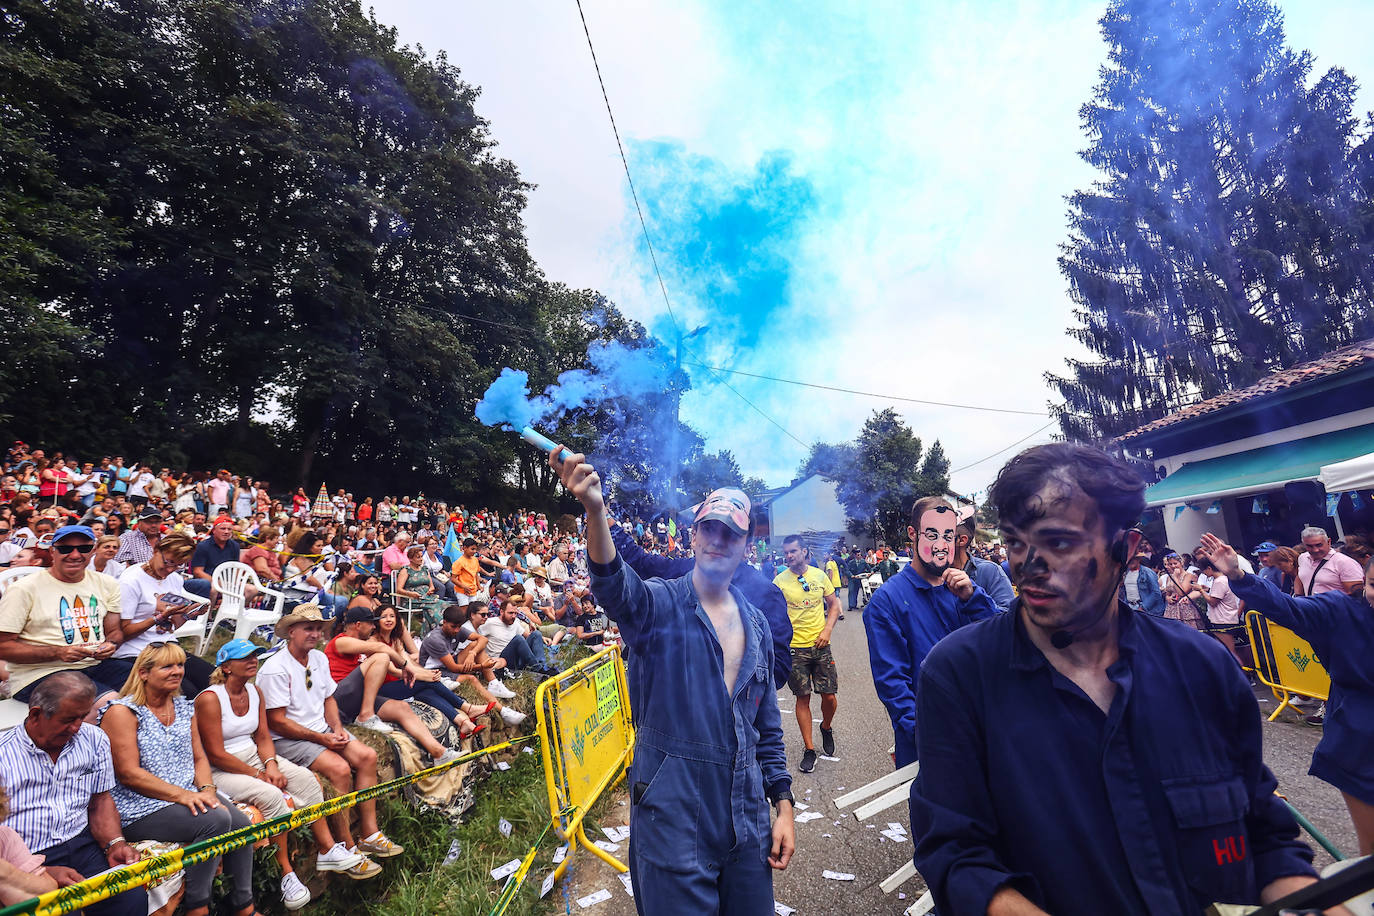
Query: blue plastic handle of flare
x=534 y=437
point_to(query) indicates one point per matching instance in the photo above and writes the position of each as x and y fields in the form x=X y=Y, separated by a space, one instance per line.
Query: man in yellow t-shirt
x=62 y=618
x=814 y=609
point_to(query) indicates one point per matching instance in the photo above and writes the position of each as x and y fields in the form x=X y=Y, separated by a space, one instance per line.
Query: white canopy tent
x=1354 y=474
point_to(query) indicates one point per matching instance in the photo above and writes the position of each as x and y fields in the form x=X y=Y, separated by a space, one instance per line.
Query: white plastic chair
x=9 y=575
x=231 y=581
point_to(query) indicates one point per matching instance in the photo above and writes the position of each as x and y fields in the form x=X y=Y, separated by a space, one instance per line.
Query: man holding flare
x=709 y=754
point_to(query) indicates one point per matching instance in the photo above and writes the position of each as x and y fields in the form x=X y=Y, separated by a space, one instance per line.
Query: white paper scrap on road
x=504 y=826
x=547 y=885
x=894 y=836
x=606 y=846
x=505 y=870
x=800 y=806
x=612 y=833
x=893 y=825
x=629 y=885
x=831 y=759
x=837 y=875
x=560 y=853
x=806 y=816
x=825 y=836
x=593 y=899
x=502 y=765
x=782 y=909
x=527 y=750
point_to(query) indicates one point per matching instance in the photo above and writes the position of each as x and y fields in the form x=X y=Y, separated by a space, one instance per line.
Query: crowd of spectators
x=152 y=745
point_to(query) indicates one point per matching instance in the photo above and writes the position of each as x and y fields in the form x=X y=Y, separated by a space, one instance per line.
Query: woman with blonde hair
x=153 y=602
x=163 y=787
x=232 y=721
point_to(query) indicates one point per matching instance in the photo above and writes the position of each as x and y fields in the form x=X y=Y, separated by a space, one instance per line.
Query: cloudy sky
x=867 y=196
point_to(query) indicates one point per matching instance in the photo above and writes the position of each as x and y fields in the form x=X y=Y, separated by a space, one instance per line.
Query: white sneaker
x=498 y=689
x=511 y=717
x=447 y=756
x=450 y=683
x=337 y=859
x=293 y=893
x=375 y=723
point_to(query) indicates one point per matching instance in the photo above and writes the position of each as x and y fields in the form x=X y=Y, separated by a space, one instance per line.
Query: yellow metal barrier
x=587 y=743
x=1285 y=662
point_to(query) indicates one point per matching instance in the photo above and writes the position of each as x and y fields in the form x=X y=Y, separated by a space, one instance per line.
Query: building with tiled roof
x=1255 y=464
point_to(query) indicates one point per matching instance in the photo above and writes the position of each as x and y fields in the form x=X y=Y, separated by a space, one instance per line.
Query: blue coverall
x=990 y=577
x=705 y=763
x=1161 y=805
x=1340 y=628
x=904 y=619
x=760 y=591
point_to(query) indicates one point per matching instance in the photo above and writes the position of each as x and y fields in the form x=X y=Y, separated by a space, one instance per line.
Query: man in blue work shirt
x=1268 y=571
x=709 y=755
x=915 y=609
x=1078 y=758
x=986 y=574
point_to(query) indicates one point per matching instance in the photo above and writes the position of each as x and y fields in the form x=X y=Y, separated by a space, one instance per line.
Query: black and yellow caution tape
x=78 y=896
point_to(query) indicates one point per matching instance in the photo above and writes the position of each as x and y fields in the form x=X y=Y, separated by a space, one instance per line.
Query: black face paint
x=1092 y=570
x=1034 y=565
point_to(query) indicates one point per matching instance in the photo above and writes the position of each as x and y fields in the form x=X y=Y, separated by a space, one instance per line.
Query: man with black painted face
x=1079 y=758
x=915 y=609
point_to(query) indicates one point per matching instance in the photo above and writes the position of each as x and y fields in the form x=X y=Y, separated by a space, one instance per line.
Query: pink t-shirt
x=393 y=558
x=219 y=492
x=1227 y=610
x=1339 y=568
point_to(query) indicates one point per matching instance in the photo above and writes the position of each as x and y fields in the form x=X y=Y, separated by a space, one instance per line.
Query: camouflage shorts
x=813 y=671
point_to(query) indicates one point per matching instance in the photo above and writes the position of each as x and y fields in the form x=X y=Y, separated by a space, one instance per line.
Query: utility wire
x=644 y=227
x=872 y=394
x=1001 y=450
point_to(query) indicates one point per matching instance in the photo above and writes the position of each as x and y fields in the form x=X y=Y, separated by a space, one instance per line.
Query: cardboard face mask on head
x=936 y=538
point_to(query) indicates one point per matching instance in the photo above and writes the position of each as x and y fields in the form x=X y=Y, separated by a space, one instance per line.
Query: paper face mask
x=935 y=538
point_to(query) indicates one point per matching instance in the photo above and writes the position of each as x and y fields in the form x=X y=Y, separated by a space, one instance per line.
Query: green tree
x=890 y=471
x=1228 y=232
x=833 y=461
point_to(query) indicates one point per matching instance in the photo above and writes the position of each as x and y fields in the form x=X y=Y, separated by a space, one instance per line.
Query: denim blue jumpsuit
x=705 y=764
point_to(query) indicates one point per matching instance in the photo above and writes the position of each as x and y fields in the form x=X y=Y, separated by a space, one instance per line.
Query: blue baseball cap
x=67 y=530
x=1267 y=547
x=237 y=648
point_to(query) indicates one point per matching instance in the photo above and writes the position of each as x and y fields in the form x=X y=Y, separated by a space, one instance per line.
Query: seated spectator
x=210 y=554
x=103 y=557
x=303 y=717
x=307 y=570
x=147 y=616
x=22 y=875
x=361 y=665
x=394 y=557
x=245 y=766
x=590 y=625
x=369 y=591
x=8 y=547
x=512 y=574
x=442 y=650
x=263 y=557
x=58 y=777
x=136 y=545
x=164 y=790
x=515 y=640
x=66 y=617
x=416 y=582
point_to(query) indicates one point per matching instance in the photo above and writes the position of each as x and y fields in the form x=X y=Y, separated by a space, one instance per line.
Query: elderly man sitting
x=58 y=774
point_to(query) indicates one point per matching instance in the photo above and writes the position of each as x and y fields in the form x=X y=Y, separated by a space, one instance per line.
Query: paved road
x=863 y=736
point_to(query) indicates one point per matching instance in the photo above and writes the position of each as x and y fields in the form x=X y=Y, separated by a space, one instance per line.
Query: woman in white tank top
x=243 y=763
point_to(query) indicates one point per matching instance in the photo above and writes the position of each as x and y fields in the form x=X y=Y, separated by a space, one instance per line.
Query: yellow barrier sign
x=588 y=741
x=1285 y=661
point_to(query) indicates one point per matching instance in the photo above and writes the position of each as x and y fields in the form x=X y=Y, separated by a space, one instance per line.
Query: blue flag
x=452 y=549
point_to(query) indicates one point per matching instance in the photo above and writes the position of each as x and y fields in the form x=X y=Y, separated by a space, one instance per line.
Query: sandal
x=480 y=728
x=486 y=712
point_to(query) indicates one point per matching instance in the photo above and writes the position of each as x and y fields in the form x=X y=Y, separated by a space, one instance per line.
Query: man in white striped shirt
x=58 y=775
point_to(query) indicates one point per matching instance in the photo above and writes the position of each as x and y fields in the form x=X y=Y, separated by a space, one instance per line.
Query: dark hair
x=455 y=614
x=1115 y=487
x=469 y=542
x=474 y=606
x=794 y=539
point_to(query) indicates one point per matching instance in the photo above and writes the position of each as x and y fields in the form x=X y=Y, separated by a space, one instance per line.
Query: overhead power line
x=872 y=394
x=1001 y=450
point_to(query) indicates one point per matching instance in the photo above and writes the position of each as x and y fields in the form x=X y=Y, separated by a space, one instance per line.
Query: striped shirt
x=48 y=801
